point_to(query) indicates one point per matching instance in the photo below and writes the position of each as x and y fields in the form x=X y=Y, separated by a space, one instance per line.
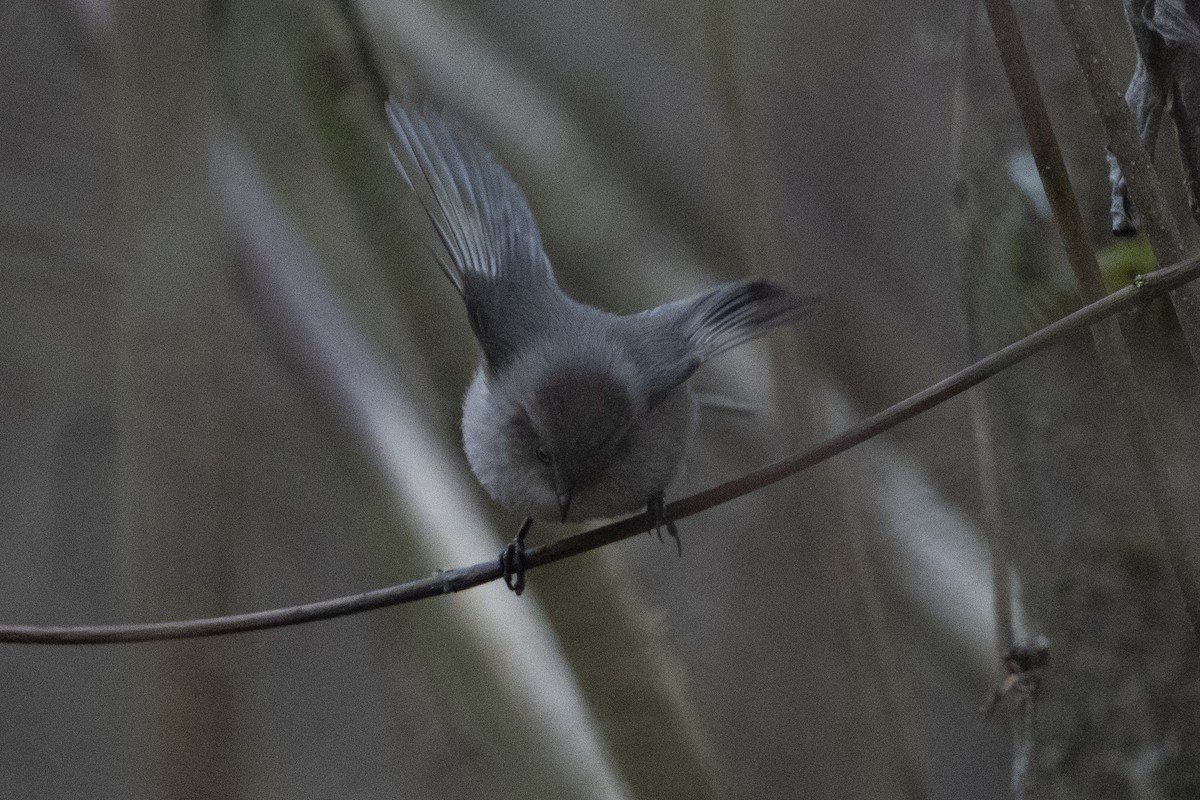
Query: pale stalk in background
x=977 y=408
x=802 y=411
x=176 y=396
x=534 y=703
x=999 y=533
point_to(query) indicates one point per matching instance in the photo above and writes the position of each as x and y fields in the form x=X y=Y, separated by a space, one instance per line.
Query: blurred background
x=231 y=376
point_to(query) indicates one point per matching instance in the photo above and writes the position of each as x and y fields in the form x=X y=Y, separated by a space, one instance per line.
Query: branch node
x=1023 y=666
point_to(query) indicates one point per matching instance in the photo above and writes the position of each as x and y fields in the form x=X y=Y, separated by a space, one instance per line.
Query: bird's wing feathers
x=493 y=253
x=735 y=313
x=478 y=211
x=702 y=326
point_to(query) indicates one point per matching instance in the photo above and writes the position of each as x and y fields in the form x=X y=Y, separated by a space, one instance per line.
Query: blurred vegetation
x=178 y=440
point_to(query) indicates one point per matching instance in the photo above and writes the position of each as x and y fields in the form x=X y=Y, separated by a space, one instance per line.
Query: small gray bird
x=574 y=413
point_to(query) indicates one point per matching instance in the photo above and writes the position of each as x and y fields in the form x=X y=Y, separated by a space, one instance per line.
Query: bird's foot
x=658 y=521
x=512 y=559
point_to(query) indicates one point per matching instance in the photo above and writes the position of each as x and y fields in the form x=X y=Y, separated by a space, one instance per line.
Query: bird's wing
x=690 y=331
x=478 y=211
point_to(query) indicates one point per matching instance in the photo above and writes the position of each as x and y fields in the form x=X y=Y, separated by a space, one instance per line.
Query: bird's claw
x=512 y=559
x=658 y=521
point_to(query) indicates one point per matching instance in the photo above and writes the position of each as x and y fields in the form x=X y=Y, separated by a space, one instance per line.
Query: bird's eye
x=543 y=455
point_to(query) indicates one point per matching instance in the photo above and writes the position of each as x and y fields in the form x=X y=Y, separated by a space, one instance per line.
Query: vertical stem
x=1023 y=769
x=999 y=534
x=1182 y=536
x=176 y=388
x=981 y=426
x=1135 y=161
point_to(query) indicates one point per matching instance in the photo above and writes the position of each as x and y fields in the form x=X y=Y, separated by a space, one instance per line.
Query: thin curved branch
x=455 y=580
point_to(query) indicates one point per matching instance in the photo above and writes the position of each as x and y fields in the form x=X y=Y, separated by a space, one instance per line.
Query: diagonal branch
x=1148 y=287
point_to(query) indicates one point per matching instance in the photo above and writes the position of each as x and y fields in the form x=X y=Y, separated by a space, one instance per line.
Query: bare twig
x=1148 y=287
x=1045 y=149
x=1180 y=534
x=1136 y=164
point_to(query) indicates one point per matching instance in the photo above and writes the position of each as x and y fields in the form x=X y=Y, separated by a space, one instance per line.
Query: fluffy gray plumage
x=571 y=406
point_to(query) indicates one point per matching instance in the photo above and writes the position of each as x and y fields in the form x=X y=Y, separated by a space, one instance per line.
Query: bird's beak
x=564 y=503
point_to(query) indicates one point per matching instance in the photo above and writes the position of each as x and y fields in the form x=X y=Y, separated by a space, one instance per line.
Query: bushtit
x=574 y=413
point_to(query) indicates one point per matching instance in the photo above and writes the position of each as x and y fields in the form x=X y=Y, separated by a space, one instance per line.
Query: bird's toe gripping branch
x=658 y=521
x=512 y=559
